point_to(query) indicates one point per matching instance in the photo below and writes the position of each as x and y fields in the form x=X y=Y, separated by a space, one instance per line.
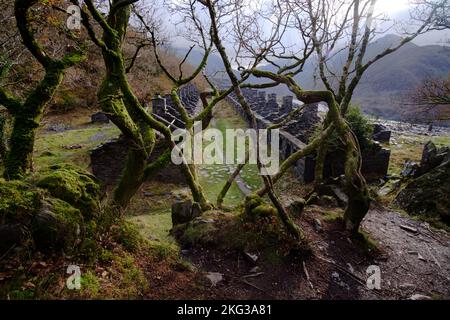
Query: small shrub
x=360 y=126
x=127 y=234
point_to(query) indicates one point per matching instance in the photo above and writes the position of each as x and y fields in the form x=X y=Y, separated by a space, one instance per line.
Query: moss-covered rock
x=73 y=185
x=56 y=226
x=251 y=202
x=297 y=206
x=428 y=195
x=256 y=209
x=19 y=201
x=29 y=215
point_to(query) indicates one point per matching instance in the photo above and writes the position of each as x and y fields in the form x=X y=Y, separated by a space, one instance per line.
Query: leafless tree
x=429 y=101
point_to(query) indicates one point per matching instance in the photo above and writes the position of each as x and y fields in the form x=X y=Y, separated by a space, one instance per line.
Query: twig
x=434 y=258
x=256 y=287
x=356 y=278
x=7 y=251
x=252 y=275
x=307 y=275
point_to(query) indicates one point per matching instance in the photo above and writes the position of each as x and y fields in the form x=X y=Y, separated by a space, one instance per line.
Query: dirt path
x=418 y=258
x=338 y=267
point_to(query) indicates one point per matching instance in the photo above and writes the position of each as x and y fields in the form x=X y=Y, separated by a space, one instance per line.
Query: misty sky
x=397 y=10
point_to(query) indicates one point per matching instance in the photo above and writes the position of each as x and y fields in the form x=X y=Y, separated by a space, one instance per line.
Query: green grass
x=228 y=118
x=155 y=225
x=409 y=147
x=213 y=177
x=54 y=147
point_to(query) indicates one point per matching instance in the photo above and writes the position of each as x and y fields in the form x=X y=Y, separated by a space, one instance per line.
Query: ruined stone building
x=296 y=133
x=107 y=160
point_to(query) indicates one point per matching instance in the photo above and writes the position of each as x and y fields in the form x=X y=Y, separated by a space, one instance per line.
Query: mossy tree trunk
x=356 y=186
x=2 y=138
x=27 y=114
x=124 y=109
x=19 y=159
x=118 y=100
x=289 y=224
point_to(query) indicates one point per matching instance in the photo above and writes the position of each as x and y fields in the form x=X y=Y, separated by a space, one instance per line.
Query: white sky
x=392 y=6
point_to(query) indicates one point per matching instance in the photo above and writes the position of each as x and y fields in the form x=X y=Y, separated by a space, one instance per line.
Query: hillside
x=383 y=85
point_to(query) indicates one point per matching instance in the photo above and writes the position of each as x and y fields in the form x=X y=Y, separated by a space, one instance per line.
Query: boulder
x=433 y=157
x=29 y=215
x=56 y=226
x=381 y=133
x=296 y=207
x=99 y=117
x=410 y=169
x=428 y=195
x=73 y=185
x=184 y=212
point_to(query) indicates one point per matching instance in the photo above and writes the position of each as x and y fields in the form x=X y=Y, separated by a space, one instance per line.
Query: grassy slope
x=410 y=147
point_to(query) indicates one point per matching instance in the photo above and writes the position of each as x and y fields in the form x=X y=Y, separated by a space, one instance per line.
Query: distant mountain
x=214 y=65
x=384 y=84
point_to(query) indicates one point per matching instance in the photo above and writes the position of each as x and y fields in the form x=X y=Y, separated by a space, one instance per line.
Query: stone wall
x=164 y=109
x=108 y=159
x=295 y=134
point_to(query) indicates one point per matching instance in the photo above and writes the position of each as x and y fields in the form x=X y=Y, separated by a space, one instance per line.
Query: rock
x=181 y=212
x=350 y=268
x=255 y=269
x=419 y=297
x=335 y=276
x=331 y=194
x=99 y=117
x=58 y=127
x=186 y=211
x=433 y=157
x=381 y=133
x=390 y=187
x=340 y=195
x=73 y=147
x=56 y=226
x=408 y=228
x=73 y=185
x=252 y=257
x=30 y=216
x=410 y=169
x=328 y=201
x=214 y=277
x=407 y=286
x=427 y=195
x=313 y=199
x=296 y=207
x=200 y=221
x=318 y=225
